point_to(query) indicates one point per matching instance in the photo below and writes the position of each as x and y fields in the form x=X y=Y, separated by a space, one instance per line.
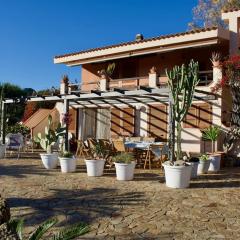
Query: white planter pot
x=203 y=166
x=194 y=169
x=49 y=160
x=2 y=150
x=68 y=164
x=125 y=171
x=177 y=176
x=95 y=167
x=215 y=162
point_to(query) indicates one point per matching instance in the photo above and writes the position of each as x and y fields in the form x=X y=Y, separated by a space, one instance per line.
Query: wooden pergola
x=117 y=96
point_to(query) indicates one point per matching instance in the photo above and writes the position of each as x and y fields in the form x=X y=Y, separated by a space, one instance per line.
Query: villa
x=141 y=64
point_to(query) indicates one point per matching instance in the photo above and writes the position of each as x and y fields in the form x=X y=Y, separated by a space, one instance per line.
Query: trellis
x=117 y=96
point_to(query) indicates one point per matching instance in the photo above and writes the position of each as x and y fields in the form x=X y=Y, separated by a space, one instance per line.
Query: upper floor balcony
x=152 y=80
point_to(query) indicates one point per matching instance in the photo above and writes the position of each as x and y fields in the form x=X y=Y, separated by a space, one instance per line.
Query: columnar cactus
x=182 y=82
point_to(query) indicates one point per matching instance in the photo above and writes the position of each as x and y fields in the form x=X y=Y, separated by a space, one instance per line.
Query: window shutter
x=191 y=119
x=205 y=115
x=115 y=122
x=199 y=116
x=72 y=125
x=157 y=121
x=128 y=121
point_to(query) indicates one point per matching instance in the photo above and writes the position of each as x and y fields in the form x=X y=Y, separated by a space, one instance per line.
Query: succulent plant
x=182 y=82
x=51 y=135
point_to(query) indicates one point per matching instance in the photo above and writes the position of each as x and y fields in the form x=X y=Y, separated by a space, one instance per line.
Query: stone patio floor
x=141 y=209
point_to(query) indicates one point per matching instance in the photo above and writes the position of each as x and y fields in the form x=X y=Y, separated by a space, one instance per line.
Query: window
x=122 y=121
x=199 y=116
x=157 y=121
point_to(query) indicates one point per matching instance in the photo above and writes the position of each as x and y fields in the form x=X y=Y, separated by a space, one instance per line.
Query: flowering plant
x=67 y=119
x=231 y=73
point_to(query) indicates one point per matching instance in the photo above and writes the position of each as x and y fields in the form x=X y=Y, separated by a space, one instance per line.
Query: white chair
x=14 y=141
x=28 y=144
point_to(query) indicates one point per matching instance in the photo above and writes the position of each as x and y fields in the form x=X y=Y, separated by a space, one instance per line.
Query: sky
x=32 y=32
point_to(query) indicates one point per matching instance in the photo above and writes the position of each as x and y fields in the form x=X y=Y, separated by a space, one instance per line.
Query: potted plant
x=194 y=161
x=203 y=165
x=212 y=134
x=182 y=82
x=67 y=162
x=95 y=166
x=49 y=159
x=216 y=59
x=125 y=166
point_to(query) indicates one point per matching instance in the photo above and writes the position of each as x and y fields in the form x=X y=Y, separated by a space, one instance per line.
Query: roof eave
x=160 y=45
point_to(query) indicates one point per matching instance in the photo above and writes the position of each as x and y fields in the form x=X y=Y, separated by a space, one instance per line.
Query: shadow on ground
x=76 y=205
x=227 y=178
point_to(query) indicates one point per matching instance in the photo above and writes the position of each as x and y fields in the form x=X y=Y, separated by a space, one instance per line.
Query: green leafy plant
x=211 y=134
x=109 y=71
x=66 y=234
x=123 y=158
x=182 y=82
x=51 y=135
x=66 y=154
x=99 y=151
x=204 y=157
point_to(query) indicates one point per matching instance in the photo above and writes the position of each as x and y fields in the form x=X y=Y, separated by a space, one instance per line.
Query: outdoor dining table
x=144 y=147
x=140 y=145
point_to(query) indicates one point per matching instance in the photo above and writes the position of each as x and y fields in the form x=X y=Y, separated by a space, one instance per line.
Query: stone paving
x=141 y=209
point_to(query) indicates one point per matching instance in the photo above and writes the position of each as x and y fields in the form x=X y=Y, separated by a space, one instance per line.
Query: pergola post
x=3 y=122
x=65 y=112
x=171 y=131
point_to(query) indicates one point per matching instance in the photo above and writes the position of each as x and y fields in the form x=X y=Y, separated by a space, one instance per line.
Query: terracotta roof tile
x=37 y=117
x=138 y=42
x=231 y=10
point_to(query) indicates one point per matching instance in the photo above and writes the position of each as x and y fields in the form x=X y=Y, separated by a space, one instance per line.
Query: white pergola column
x=143 y=114
x=152 y=78
x=66 y=111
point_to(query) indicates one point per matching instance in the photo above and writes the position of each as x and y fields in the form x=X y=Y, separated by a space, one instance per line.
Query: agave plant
x=51 y=135
x=211 y=134
x=66 y=234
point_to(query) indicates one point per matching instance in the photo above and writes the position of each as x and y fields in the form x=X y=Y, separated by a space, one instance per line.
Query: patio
x=141 y=209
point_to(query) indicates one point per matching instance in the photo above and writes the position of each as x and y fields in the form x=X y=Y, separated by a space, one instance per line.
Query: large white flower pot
x=203 y=166
x=95 y=167
x=194 y=169
x=67 y=164
x=2 y=150
x=215 y=162
x=49 y=160
x=177 y=176
x=125 y=171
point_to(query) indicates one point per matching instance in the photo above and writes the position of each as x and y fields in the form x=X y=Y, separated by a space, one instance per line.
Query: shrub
x=66 y=154
x=204 y=157
x=123 y=158
x=18 y=128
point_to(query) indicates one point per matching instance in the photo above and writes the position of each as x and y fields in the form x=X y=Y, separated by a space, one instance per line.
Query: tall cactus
x=182 y=82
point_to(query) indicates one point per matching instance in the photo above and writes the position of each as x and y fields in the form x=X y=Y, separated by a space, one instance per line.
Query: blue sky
x=33 y=32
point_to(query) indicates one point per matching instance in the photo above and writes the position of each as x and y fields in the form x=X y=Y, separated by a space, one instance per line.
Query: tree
x=15 y=111
x=208 y=12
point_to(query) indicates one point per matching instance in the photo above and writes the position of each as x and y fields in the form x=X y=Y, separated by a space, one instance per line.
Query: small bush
x=204 y=157
x=66 y=154
x=123 y=158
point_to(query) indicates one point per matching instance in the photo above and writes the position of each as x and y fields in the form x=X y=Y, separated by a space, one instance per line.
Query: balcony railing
x=206 y=77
